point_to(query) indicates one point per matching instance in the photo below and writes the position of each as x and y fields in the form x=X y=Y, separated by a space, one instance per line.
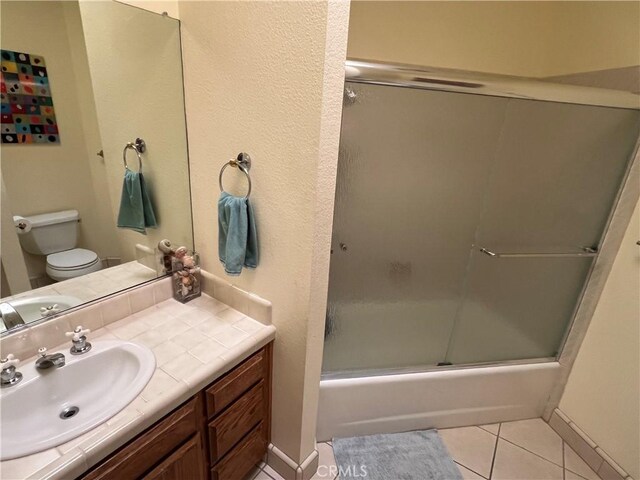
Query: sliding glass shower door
x=465 y=225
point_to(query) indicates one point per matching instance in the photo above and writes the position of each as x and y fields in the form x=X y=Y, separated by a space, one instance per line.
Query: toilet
x=55 y=235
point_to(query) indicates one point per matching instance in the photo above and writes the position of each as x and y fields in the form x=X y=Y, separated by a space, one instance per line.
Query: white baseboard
x=599 y=461
x=290 y=470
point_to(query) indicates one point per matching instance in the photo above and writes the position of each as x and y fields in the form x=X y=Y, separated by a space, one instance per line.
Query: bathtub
x=451 y=397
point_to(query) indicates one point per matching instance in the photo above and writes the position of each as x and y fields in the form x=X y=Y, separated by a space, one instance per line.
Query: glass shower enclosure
x=468 y=216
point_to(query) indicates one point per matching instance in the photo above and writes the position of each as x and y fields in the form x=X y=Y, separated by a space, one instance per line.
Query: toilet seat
x=72 y=263
x=73 y=259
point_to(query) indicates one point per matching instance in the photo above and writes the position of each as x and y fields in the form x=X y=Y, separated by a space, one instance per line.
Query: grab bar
x=584 y=252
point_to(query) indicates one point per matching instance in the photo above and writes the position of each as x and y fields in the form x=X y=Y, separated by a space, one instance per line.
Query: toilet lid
x=72 y=259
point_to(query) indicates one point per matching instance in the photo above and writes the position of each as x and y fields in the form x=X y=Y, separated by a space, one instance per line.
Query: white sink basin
x=99 y=383
x=29 y=307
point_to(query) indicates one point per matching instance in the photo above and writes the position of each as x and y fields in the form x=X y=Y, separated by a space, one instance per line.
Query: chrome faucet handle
x=77 y=333
x=9 y=376
x=79 y=340
x=10 y=361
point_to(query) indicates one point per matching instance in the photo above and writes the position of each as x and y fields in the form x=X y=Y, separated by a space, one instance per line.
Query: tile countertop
x=194 y=344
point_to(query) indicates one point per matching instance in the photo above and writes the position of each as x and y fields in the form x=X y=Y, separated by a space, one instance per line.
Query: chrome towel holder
x=139 y=146
x=243 y=163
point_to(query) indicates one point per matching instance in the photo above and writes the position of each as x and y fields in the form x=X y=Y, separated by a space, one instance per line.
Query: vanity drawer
x=223 y=392
x=234 y=423
x=143 y=453
x=242 y=459
x=186 y=463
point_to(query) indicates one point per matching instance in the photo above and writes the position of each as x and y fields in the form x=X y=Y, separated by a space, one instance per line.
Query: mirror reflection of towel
x=136 y=210
x=237 y=235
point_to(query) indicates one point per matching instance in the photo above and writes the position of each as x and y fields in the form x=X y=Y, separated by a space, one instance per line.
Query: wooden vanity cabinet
x=186 y=462
x=220 y=433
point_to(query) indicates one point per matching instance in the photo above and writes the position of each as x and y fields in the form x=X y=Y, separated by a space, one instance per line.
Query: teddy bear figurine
x=167 y=252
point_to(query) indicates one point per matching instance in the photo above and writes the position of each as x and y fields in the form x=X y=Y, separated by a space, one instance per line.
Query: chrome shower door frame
x=407 y=76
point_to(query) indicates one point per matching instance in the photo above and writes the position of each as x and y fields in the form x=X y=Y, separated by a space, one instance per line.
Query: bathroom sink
x=29 y=307
x=50 y=407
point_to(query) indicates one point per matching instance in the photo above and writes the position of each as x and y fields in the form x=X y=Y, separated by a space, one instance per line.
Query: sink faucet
x=9 y=375
x=10 y=317
x=79 y=340
x=44 y=362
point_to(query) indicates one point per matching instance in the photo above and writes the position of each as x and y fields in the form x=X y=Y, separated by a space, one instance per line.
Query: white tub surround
x=194 y=344
x=436 y=399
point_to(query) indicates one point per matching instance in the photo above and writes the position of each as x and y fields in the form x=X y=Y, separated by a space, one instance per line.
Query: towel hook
x=139 y=146
x=243 y=163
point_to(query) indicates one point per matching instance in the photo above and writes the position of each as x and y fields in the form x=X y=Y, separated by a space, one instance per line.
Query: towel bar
x=243 y=163
x=582 y=252
x=139 y=146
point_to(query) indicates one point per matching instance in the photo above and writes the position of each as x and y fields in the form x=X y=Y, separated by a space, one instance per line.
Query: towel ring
x=138 y=146
x=243 y=163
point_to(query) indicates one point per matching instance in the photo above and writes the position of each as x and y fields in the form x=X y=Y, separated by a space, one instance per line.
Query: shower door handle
x=582 y=252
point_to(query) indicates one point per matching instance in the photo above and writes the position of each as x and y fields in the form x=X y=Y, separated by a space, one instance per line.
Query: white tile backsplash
x=239 y=299
x=88 y=317
x=116 y=309
x=141 y=298
x=162 y=290
x=223 y=291
x=231 y=295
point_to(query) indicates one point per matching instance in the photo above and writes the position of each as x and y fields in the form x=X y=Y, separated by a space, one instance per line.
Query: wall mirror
x=81 y=80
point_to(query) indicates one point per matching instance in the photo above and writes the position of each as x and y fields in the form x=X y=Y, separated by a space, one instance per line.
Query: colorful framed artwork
x=27 y=107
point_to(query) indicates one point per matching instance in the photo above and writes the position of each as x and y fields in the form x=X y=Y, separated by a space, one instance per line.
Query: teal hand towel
x=136 y=210
x=237 y=235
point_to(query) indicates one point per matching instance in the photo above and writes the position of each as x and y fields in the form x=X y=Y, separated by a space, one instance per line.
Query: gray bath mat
x=419 y=455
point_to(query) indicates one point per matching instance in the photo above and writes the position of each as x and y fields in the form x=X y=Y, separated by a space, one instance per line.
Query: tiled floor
x=523 y=450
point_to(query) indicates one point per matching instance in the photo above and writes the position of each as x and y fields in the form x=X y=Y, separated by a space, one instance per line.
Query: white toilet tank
x=50 y=232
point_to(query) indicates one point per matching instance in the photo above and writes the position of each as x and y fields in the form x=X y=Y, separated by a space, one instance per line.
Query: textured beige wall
x=266 y=78
x=139 y=93
x=102 y=208
x=602 y=395
x=517 y=38
x=333 y=87
x=45 y=178
x=593 y=35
